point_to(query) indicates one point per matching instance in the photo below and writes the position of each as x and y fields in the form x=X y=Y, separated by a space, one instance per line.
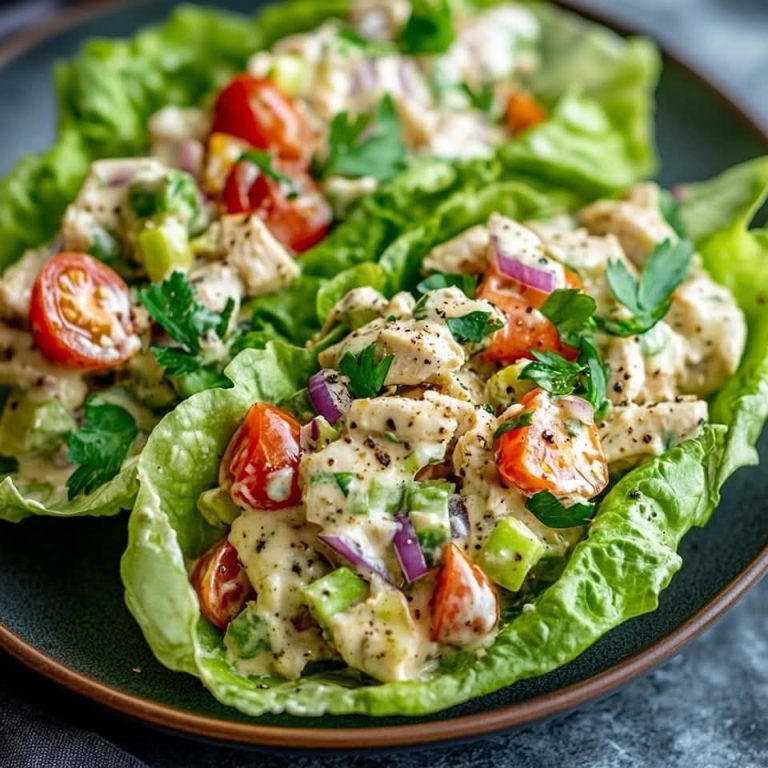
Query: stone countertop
x=706 y=707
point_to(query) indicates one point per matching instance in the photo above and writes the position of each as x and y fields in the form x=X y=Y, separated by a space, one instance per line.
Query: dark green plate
x=61 y=607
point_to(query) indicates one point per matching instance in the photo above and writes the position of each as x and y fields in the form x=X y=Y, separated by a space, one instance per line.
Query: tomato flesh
x=527 y=328
x=221 y=584
x=465 y=607
x=523 y=112
x=256 y=110
x=556 y=453
x=298 y=221
x=80 y=314
x=261 y=465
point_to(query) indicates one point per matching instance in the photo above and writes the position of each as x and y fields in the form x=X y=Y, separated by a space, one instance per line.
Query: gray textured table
x=707 y=708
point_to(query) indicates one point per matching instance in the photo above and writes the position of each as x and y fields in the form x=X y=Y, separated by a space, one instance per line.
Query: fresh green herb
x=100 y=446
x=430 y=28
x=104 y=246
x=549 y=510
x=572 y=312
x=594 y=379
x=8 y=465
x=366 y=376
x=473 y=327
x=264 y=162
x=648 y=299
x=173 y=305
x=173 y=194
x=366 y=145
x=481 y=98
x=553 y=373
x=438 y=280
x=524 y=419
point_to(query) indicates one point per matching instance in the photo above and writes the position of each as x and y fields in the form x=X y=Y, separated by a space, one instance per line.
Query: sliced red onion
x=536 y=273
x=191 y=154
x=459 y=517
x=578 y=408
x=350 y=550
x=310 y=434
x=408 y=550
x=329 y=394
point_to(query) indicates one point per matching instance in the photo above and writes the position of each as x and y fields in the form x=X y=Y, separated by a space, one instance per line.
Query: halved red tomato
x=221 y=584
x=559 y=452
x=465 y=606
x=256 y=110
x=80 y=313
x=297 y=214
x=261 y=465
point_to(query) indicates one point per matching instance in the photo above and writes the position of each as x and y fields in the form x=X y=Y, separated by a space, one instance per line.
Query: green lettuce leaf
x=617 y=573
x=20 y=501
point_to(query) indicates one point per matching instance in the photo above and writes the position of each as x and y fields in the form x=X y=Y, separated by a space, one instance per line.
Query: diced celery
x=510 y=552
x=334 y=593
x=29 y=425
x=164 y=248
x=247 y=634
x=377 y=498
x=506 y=387
x=217 y=507
x=293 y=74
x=427 y=504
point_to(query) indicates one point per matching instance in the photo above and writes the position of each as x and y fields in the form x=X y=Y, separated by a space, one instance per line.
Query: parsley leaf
x=481 y=98
x=342 y=479
x=173 y=306
x=100 y=446
x=571 y=311
x=553 y=372
x=669 y=206
x=437 y=280
x=366 y=376
x=649 y=298
x=473 y=327
x=264 y=162
x=549 y=510
x=524 y=419
x=429 y=29
x=594 y=379
x=367 y=145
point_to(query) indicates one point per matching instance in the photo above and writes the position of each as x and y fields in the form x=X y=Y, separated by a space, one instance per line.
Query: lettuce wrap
x=598 y=87
x=616 y=573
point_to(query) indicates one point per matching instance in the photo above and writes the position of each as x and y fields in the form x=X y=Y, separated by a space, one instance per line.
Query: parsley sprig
x=173 y=305
x=473 y=327
x=523 y=419
x=649 y=298
x=366 y=376
x=549 y=510
x=366 y=145
x=100 y=446
x=265 y=163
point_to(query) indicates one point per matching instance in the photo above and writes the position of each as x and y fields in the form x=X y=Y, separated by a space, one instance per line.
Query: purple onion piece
x=191 y=155
x=408 y=550
x=350 y=551
x=329 y=394
x=527 y=274
x=459 y=517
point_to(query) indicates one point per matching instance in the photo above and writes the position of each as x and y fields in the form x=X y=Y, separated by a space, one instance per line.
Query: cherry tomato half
x=221 y=584
x=80 y=313
x=465 y=606
x=261 y=464
x=558 y=452
x=523 y=112
x=296 y=213
x=256 y=110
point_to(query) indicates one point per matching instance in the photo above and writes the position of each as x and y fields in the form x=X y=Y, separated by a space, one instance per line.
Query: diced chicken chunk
x=633 y=433
x=465 y=254
x=424 y=351
x=216 y=283
x=177 y=136
x=380 y=19
x=637 y=222
x=261 y=261
x=16 y=286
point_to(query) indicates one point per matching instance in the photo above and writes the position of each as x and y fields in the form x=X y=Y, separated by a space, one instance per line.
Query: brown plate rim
x=451 y=729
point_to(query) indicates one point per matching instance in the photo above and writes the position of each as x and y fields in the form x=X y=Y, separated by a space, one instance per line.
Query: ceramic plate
x=61 y=607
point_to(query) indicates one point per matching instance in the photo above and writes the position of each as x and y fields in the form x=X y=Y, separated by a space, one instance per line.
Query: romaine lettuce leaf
x=617 y=573
x=18 y=502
